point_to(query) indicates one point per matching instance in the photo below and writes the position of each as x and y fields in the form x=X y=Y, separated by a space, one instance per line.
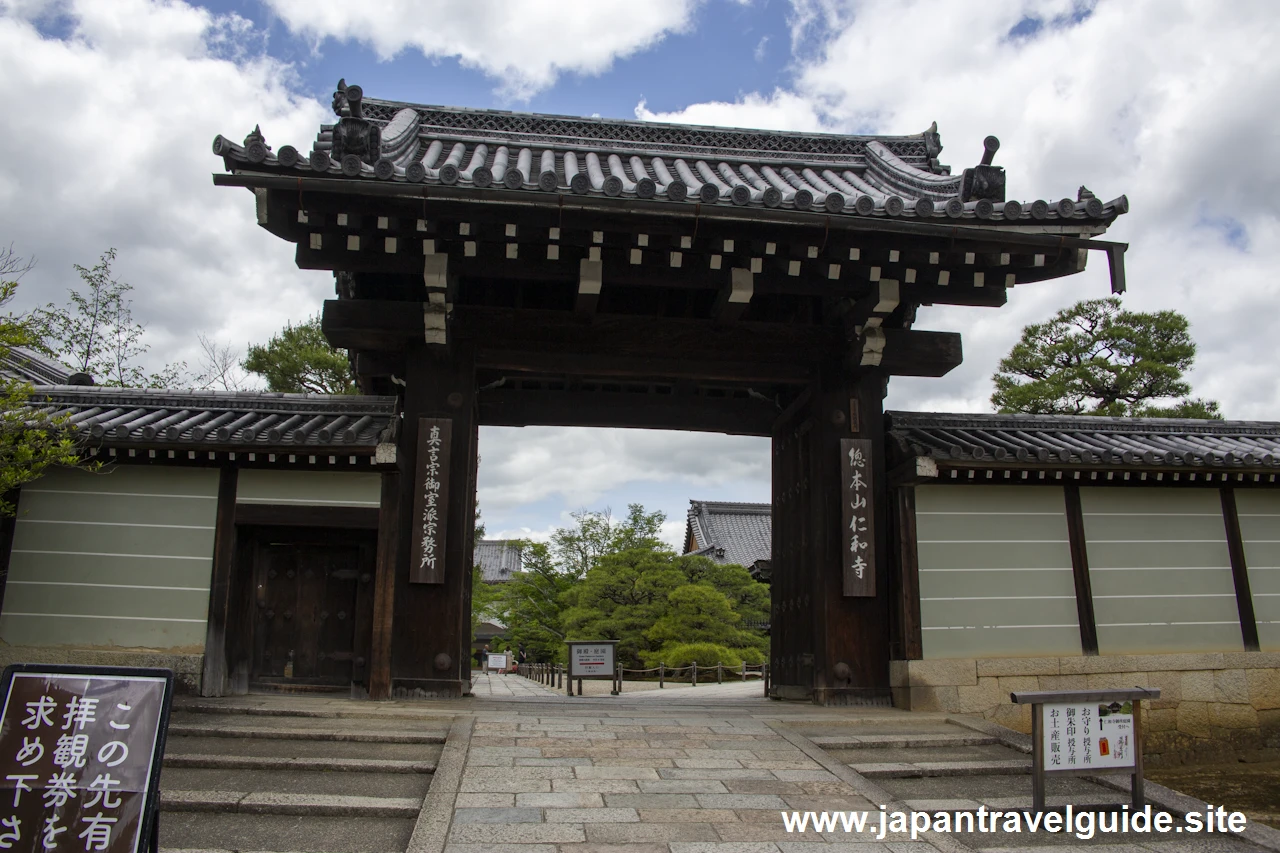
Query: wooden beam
x=735 y=297
x=590 y=281
x=214 y=677
x=733 y=416
x=379 y=364
x=907 y=352
x=1239 y=570
x=1080 y=570
x=384 y=589
x=298 y=515
x=372 y=325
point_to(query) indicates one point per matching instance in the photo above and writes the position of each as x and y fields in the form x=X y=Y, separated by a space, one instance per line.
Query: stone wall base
x=187 y=668
x=1214 y=707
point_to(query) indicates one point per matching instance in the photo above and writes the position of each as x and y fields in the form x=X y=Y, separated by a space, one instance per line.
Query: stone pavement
x=525 y=769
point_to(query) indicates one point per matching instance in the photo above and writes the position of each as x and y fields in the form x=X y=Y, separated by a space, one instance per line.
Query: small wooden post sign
x=590 y=659
x=1082 y=732
x=80 y=754
x=857 y=518
x=430 y=500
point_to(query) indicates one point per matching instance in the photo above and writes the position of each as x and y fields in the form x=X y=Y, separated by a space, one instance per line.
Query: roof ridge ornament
x=255 y=145
x=357 y=142
x=984 y=182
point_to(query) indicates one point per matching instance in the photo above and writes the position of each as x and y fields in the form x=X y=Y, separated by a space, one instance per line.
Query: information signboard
x=1091 y=734
x=80 y=755
x=498 y=661
x=591 y=659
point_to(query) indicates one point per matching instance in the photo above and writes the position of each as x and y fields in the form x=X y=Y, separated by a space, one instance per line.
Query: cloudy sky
x=113 y=104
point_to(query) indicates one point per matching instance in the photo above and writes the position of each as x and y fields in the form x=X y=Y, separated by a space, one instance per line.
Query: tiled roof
x=740 y=533
x=497 y=559
x=893 y=176
x=1056 y=440
x=30 y=366
x=240 y=420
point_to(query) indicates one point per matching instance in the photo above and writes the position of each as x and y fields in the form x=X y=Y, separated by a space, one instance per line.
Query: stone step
x=269 y=762
x=310 y=720
x=901 y=741
x=918 y=754
x=323 y=805
x=305 y=749
x=203 y=831
x=293 y=781
x=183 y=729
x=903 y=770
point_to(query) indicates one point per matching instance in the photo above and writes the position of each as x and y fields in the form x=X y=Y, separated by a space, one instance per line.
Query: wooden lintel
x=298 y=515
x=734 y=416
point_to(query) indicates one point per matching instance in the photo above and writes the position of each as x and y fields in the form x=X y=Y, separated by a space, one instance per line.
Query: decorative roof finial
x=255 y=145
x=356 y=140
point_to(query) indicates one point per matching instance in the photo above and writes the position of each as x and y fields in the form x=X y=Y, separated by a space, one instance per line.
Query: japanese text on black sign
x=858 y=518
x=76 y=752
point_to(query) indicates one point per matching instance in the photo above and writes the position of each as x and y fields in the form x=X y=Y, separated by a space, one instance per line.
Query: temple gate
x=497 y=268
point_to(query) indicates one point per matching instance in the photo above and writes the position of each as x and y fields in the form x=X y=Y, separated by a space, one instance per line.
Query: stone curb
x=432 y=829
x=257 y=762
x=187 y=730
x=1156 y=794
x=244 y=802
x=864 y=787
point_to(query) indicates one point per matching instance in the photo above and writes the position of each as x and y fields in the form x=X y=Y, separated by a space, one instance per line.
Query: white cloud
x=115 y=152
x=578 y=466
x=1165 y=102
x=780 y=110
x=526 y=46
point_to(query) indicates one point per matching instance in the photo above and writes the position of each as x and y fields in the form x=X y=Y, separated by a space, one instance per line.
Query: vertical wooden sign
x=430 y=500
x=857 y=518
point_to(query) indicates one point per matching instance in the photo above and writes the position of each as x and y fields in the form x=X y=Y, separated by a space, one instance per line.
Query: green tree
x=300 y=360
x=30 y=441
x=95 y=332
x=530 y=603
x=1096 y=359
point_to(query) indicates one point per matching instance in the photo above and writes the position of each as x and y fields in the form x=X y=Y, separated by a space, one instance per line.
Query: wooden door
x=308 y=600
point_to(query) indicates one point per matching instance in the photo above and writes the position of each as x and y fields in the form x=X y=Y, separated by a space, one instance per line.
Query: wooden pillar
x=829 y=647
x=908 y=636
x=1079 y=546
x=431 y=628
x=8 y=525
x=384 y=590
x=1239 y=571
x=214 y=679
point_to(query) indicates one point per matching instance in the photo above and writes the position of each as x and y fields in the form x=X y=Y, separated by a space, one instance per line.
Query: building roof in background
x=968 y=440
x=29 y=366
x=740 y=533
x=220 y=420
x=494 y=152
x=498 y=559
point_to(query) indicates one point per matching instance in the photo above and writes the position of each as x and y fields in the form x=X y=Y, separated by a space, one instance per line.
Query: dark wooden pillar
x=1079 y=545
x=829 y=647
x=1239 y=570
x=214 y=680
x=430 y=633
x=908 y=639
x=384 y=589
